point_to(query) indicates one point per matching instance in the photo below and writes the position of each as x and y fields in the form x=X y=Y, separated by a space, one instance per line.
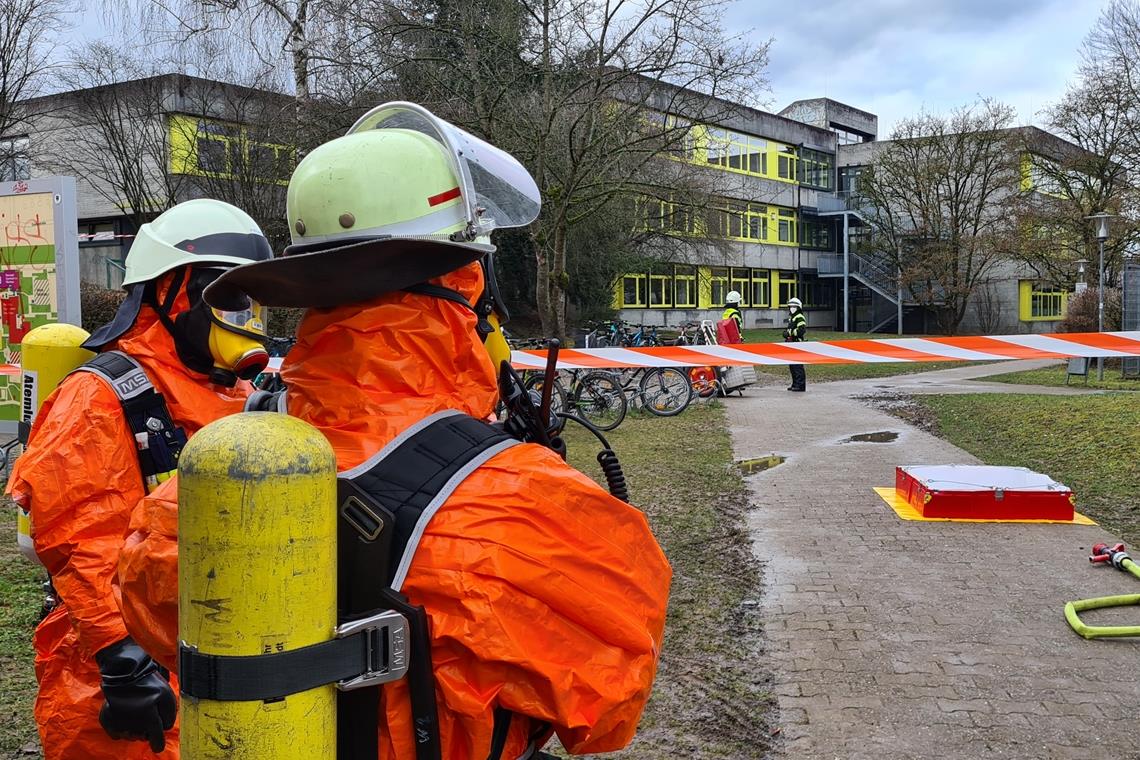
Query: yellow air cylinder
x=257 y=575
x=47 y=354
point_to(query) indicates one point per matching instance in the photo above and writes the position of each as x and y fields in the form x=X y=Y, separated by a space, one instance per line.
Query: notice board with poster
x=39 y=272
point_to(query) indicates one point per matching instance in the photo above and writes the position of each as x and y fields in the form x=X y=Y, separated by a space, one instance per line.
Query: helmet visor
x=249 y=321
x=497 y=190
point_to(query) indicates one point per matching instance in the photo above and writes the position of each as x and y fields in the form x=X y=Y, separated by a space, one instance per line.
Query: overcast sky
x=895 y=57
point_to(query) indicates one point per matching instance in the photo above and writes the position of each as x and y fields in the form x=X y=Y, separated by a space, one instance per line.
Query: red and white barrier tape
x=966 y=348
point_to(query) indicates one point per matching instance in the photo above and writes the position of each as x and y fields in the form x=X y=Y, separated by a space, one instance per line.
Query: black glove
x=138 y=701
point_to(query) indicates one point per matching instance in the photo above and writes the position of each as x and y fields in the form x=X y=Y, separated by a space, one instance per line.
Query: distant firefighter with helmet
x=167 y=365
x=794 y=333
x=544 y=596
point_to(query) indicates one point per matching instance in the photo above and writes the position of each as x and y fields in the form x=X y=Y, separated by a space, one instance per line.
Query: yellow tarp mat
x=906 y=512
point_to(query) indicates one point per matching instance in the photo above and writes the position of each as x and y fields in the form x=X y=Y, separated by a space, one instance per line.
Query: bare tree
x=112 y=131
x=938 y=200
x=584 y=92
x=1064 y=183
x=146 y=141
x=1100 y=115
x=28 y=29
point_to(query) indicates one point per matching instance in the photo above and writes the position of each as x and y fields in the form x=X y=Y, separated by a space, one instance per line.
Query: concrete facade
x=66 y=134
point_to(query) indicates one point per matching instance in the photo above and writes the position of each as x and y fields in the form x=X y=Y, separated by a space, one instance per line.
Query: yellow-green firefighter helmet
x=402 y=198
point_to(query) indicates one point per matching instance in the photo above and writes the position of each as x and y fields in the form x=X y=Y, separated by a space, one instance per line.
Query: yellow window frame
x=763 y=279
x=640 y=290
x=665 y=282
x=1035 y=304
x=721 y=282
x=687 y=275
x=186 y=131
x=779 y=278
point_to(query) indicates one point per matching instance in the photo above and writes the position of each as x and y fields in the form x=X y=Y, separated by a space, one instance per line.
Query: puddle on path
x=882 y=436
x=759 y=464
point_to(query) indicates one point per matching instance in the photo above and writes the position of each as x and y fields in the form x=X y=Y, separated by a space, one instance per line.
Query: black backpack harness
x=158 y=439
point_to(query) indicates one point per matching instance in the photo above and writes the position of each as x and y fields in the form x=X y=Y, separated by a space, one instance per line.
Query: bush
x=98 y=305
x=1081 y=315
x=282 y=322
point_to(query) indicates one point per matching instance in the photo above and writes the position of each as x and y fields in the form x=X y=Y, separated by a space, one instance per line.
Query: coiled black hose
x=615 y=478
x=607 y=458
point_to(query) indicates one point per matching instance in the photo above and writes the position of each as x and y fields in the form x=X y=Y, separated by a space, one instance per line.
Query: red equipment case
x=978 y=492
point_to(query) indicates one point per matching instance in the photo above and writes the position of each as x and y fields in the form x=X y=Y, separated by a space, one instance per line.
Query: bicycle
x=593 y=395
x=661 y=391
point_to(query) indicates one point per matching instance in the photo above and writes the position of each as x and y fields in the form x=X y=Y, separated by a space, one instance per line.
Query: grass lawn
x=1089 y=443
x=1056 y=376
x=712 y=697
x=20 y=598
x=823 y=373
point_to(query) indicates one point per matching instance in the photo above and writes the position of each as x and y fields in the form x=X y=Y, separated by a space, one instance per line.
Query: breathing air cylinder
x=48 y=353
x=257 y=576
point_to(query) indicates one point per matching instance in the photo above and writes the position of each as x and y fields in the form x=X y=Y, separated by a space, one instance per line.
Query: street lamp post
x=1101 y=222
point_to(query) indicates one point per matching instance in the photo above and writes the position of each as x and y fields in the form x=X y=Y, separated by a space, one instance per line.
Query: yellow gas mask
x=237 y=341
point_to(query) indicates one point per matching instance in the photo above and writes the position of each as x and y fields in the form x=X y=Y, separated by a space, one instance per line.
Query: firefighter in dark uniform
x=794 y=333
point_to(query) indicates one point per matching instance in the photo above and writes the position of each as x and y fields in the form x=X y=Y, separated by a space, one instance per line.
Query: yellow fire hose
x=1104 y=554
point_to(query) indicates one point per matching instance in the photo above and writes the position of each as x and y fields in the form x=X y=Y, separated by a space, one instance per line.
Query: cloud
x=898 y=57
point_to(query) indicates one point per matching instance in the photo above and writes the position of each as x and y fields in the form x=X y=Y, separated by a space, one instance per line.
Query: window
x=14 y=161
x=1042 y=301
x=849 y=179
x=816 y=234
x=743 y=153
x=740 y=281
x=787 y=229
x=668 y=217
x=720 y=288
x=788 y=287
x=761 y=287
x=740 y=220
x=685 y=286
x=787 y=162
x=208 y=147
x=661 y=286
x=816 y=169
x=97 y=234
x=633 y=290
x=848 y=138
x=817 y=293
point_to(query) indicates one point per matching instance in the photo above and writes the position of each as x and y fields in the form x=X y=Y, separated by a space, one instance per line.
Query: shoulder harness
x=384 y=506
x=158 y=439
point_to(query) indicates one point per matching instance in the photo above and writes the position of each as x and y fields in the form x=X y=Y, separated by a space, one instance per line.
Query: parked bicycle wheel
x=599 y=399
x=703 y=381
x=666 y=391
x=558 y=402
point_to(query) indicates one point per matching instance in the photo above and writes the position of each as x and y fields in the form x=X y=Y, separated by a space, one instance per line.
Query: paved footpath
x=893 y=639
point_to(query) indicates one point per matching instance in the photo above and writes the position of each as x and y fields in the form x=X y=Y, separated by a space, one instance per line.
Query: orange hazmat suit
x=81 y=477
x=546 y=596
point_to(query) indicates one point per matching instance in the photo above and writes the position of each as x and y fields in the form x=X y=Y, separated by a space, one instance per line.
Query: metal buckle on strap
x=385 y=637
x=362 y=518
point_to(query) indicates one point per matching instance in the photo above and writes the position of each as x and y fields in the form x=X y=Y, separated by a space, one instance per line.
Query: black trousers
x=799 y=377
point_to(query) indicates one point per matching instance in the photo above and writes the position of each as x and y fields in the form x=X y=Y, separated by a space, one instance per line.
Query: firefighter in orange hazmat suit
x=83 y=472
x=546 y=596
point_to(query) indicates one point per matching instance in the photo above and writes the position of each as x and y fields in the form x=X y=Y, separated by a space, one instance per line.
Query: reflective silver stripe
x=428 y=224
x=283 y=402
x=425 y=517
x=395 y=443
